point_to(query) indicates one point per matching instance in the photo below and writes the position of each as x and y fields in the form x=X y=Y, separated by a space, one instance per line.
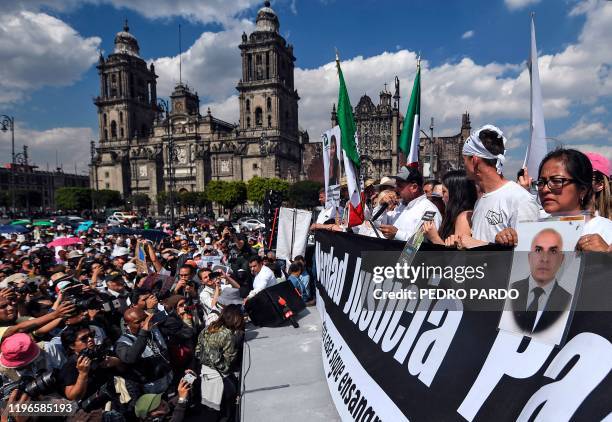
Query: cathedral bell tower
x=127 y=100
x=268 y=100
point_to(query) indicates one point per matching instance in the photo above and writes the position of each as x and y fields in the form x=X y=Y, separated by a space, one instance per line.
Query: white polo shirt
x=265 y=278
x=407 y=218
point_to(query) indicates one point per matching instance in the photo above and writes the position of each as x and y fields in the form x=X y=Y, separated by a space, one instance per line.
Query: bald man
x=541 y=299
x=142 y=347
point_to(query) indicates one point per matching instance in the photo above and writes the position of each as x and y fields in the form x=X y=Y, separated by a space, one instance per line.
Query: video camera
x=32 y=386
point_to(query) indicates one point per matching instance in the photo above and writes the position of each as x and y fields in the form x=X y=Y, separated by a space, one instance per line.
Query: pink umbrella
x=64 y=241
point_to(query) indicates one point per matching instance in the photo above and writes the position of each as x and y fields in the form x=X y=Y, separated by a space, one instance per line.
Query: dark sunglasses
x=86 y=337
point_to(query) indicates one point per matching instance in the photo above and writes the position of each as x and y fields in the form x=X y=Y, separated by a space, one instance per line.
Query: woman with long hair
x=602 y=199
x=218 y=351
x=459 y=195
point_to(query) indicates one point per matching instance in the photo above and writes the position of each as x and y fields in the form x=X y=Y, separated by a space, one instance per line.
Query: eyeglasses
x=86 y=337
x=554 y=183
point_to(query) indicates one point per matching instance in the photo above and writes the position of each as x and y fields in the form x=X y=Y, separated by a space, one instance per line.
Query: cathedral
x=146 y=147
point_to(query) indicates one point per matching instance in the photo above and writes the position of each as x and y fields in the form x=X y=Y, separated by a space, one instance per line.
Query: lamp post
x=431 y=148
x=8 y=123
x=163 y=106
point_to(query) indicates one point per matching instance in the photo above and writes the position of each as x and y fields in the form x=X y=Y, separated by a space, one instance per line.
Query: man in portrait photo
x=541 y=299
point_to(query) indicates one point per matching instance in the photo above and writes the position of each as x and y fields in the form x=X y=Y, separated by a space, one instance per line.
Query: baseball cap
x=409 y=174
x=130 y=267
x=120 y=251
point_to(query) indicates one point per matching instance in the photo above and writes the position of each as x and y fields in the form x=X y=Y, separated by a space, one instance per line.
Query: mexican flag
x=408 y=141
x=350 y=152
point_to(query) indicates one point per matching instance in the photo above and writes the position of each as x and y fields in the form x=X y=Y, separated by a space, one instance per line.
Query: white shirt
x=265 y=278
x=407 y=218
x=325 y=214
x=501 y=209
x=542 y=300
x=601 y=226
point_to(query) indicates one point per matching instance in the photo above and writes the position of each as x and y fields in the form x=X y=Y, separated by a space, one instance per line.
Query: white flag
x=537 y=149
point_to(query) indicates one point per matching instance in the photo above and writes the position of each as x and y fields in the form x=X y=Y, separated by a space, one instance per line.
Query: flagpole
x=530 y=100
x=339 y=217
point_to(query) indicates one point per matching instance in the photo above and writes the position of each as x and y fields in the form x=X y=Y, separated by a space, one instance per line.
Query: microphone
x=382 y=209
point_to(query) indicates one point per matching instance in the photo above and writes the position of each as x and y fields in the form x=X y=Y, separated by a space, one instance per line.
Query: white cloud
x=208 y=11
x=39 y=50
x=225 y=109
x=467 y=34
x=212 y=65
x=70 y=143
x=519 y=4
x=584 y=131
x=599 y=110
x=605 y=150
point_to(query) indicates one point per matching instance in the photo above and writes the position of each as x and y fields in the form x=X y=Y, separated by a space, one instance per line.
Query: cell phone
x=189 y=378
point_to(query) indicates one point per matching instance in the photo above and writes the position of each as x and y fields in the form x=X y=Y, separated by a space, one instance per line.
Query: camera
x=30 y=287
x=100 y=397
x=82 y=301
x=97 y=354
x=32 y=386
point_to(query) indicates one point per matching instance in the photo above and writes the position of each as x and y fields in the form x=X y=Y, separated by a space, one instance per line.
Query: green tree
x=140 y=200
x=258 y=186
x=73 y=198
x=227 y=194
x=304 y=194
x=188 y=199
x=107 y=198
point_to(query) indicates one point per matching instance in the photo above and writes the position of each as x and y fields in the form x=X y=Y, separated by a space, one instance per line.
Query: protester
x=565 y=187
x=459 y=195
x=263 y=276
x=408 y=216
x=503 y=203
x=217 y=353
x=602 y=198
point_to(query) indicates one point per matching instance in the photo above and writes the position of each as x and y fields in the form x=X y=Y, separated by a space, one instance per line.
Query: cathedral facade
x=143 y=150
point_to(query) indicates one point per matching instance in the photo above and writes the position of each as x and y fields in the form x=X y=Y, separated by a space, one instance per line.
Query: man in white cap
x=503 y=203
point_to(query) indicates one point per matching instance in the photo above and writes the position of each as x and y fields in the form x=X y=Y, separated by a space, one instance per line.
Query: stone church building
x=135 y=135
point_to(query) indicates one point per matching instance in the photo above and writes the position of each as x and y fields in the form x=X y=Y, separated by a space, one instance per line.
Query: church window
x=269 y=104
x=267 y=65
x=106 y=174
x=258 y=71
x=107 y=186
x=105 y=134
x=248 y=122
x=258 y=117
x=113 y=129
x=104 y=119
x=249 y=67
x=121 y=132
x=254 y=166
x=248 y=106
x=269 y=121
x=121 y=117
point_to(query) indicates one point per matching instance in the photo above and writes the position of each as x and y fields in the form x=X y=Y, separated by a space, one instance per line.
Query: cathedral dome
x=267 y=21
x=126 y=43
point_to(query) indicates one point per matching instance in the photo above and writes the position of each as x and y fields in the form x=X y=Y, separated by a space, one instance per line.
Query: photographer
x=142 y=347
x=151 y=407
x=87 y=367
x=179 y=331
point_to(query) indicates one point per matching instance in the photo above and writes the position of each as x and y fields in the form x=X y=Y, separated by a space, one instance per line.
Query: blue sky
x=474 y=59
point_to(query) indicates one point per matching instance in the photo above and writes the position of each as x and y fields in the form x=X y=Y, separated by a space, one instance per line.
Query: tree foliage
x=73 y=198
x=258 y=186
x=304 y=194
x=227 y=194
x=106 y=198
x=140 y=200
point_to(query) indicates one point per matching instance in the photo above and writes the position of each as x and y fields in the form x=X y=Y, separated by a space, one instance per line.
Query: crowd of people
x=481 y=205
x=130 y=329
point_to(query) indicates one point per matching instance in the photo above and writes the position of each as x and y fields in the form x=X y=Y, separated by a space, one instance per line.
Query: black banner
x=429 y=359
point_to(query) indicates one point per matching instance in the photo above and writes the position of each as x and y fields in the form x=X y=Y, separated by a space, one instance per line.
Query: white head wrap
x=473 y=147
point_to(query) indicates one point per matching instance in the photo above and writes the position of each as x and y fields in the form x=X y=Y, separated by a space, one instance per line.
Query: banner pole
x=273 y=227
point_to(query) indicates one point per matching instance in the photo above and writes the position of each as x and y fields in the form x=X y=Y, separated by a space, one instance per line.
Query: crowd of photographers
x=130 y=329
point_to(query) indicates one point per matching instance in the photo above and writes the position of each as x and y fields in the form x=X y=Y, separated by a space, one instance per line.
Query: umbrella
x=42 y=223
x=20 y=222
x=84 y=226
x=64 y=241
x=13 y=229
x=153 y=235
